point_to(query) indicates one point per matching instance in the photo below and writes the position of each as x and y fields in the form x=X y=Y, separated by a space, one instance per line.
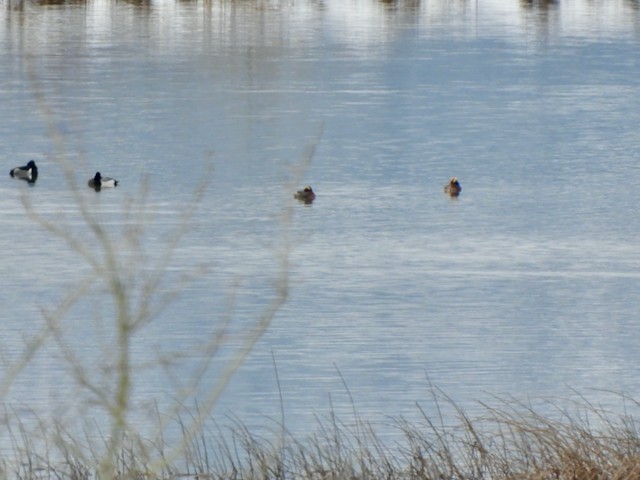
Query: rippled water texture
x=524 y=286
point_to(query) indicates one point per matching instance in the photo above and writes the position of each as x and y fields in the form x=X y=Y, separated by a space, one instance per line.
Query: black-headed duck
x=98 y=182
x=28 y=172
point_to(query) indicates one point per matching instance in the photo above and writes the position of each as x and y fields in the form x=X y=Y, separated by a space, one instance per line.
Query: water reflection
x=139 y=3
x=51 y=3
x=539 y=4
x=409 y=5
x=352 y=18
x=634 y=4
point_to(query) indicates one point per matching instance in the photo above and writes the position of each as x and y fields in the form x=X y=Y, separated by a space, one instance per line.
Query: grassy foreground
x=512 y=442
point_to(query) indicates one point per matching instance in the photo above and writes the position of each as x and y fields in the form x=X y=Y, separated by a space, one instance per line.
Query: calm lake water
x=526 y=286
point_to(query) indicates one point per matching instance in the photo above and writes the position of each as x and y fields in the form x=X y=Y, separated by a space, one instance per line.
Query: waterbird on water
x=28 y=172
x=453 y=188
x=305 y=195
x=98 y=182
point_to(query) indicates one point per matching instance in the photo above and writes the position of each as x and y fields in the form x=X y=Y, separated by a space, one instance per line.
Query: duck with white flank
x=28 y=172
x=99 y=182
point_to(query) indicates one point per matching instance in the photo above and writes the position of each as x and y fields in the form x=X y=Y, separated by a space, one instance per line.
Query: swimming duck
x=28 y=172
x=453 y=188
x=305 y=195
x=98 y=182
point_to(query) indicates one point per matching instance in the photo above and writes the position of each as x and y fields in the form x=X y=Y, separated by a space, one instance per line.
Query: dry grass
x=509 y=442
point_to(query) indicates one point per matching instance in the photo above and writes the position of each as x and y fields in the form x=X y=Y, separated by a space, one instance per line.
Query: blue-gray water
x=526 y=286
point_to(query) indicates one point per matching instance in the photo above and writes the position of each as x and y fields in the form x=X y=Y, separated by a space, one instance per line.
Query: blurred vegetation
x=506 y=443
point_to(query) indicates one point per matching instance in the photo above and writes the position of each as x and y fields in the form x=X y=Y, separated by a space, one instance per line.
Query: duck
x=305 y=195
x=28 y=172
x=453 y=188
x=98 y=182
